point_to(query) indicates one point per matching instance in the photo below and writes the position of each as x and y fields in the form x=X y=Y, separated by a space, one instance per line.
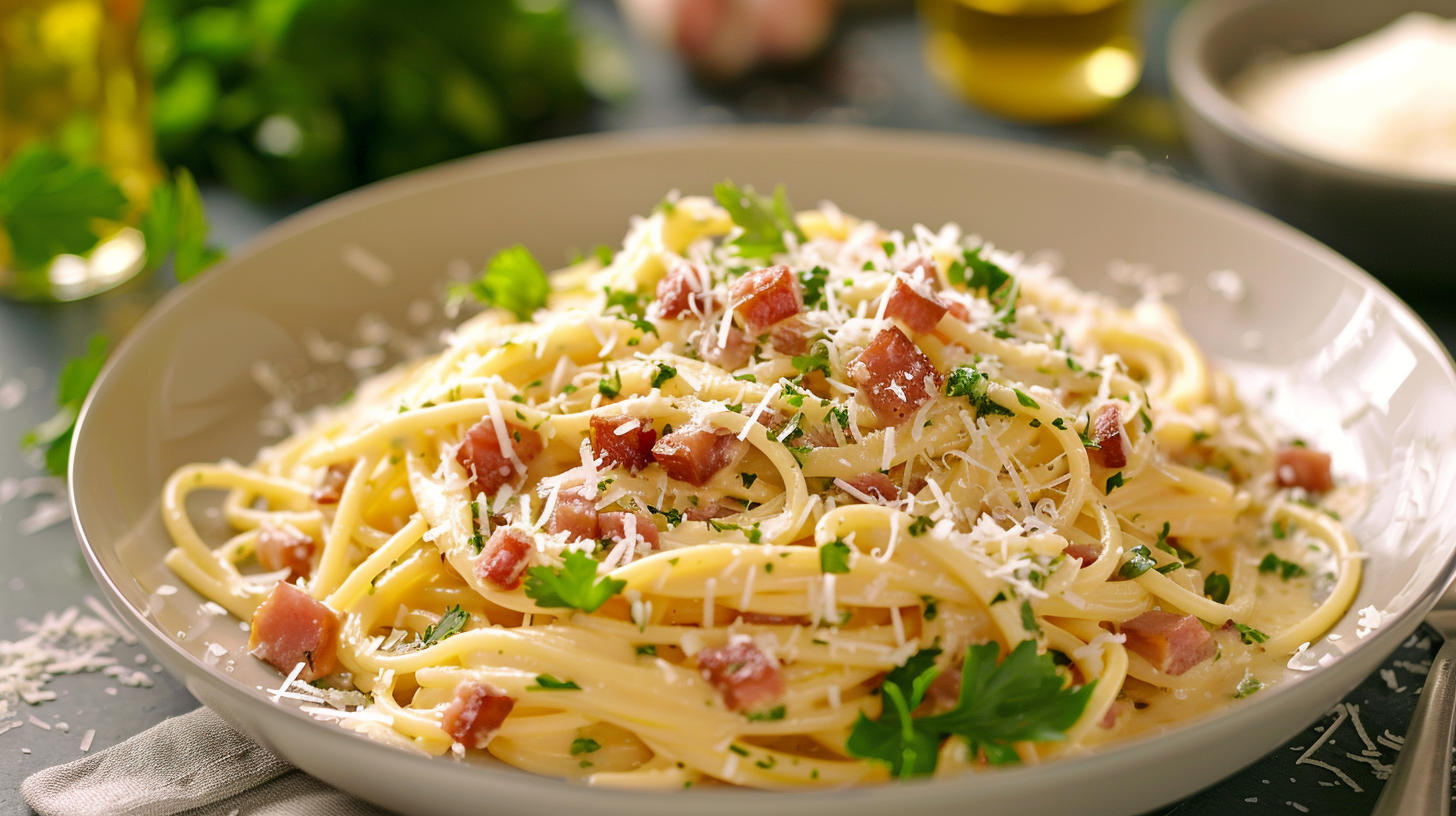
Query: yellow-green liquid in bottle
x=1035 y=60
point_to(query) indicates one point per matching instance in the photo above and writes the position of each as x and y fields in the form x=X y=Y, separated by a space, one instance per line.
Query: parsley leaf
x=834 y=557
x=966 y=381
x=1026 y=401
x=513 y=280
x=1249 y=634
x=1139 y=560
x=812 y=282
x=921 y=525
x=816 y=360
x=763 y=220
x=1216 y=587
x=664 y=373
x=610 y=387
x=1247 y=686
x=984 y=273
x=649 y=649
x=72 y=385
x=1286 y=569
x=1114 y=482
x=477 y=539
x=1022 y=699
x=48 y=202
x=450 y=623
x=545 y=682
x=769 y=715
x=1028 y=618
x=748 y=478
x=584 y=745
x=574 y=585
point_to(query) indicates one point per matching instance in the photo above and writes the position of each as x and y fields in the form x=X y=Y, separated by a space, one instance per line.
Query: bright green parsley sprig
x=574 y=585
x=513 y=280
x=763 y=220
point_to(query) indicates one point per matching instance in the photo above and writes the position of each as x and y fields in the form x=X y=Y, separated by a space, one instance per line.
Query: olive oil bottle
x=71 y=80
x=1047 y=61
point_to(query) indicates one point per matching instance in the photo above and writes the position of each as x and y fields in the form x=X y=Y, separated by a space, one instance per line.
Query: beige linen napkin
x=192 y=765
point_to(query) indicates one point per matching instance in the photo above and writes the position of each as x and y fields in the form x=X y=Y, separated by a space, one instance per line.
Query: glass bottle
x=71 y=79
x=1047 y=61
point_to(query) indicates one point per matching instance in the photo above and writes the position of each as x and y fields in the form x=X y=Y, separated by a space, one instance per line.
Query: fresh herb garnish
x=545 y=682
x=610 y=386
x=450 y=623
x=834 y=557
x=584 y=745
x=816 y=360
x=1024 y=698
x=966 y=381
x=770 y=715
x=513 y=280
x=1247 y=686
x=1028 y=618
x=763 y=220
x=48 y=203
x=1026 y=402
x=648 y=649
x=812 y=284
x=574 y=585
x=1249 y=634
x=72 y=384
x=920 y=525
x=664 y=373
x=1286 y=569
x=477 y=540
x=748 y=478
x=1216 y=587
x=1139 y=560
x=1114 y=482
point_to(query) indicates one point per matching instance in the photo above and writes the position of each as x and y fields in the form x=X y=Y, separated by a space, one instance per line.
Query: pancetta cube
x=695 y=454
x=287 y=548
x=575 y=515
x=290 y=627
x=763 y=297
x=1107 y=432
x=1172 y=643
x=615 y=524
x=476 y=713
x=919 y=311
x=630 y=449
x=894 y=376
x=331 y=485
x=735 y=352
x=683 y=292
x=875 y=485
x=1302 y=467
x=504 y=558
x=1084 y=554
x=488 y=466
x=747 y=678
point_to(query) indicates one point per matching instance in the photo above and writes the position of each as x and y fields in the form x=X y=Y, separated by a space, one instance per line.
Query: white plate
x=1335 y=346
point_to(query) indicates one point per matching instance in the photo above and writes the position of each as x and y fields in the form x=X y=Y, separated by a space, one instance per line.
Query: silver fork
x=1421 y=783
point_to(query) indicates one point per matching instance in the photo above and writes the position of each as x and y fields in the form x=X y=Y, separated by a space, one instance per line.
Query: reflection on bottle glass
x=1034 y=60
x=71 y=84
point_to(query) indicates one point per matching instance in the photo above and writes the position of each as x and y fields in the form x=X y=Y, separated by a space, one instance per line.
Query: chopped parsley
x=763 y=220
x=1139 y=560
x=584 y=745
x=477 y=541
x=1286 y=569
x=648 y=649
x=834 y=557
x=1026 y=402
x=816 y=360
x=1216 y=587
x=966 y=381
x=1028 y=618
x=771 y=715
x=812 y=284
x=545 y=682
x=664 y=373
x=1114 y=482
x=975 y=272
x=72 y=384
x=574 y=585
x=753 y=534
x=921 y=525
x=450 y=623
x=513 y=280
x=1147 y=421
x=748 y=478
x=1249 y=634
x=1024 y=698
x=674 y=517
x=610 y=386
x=1247 y=686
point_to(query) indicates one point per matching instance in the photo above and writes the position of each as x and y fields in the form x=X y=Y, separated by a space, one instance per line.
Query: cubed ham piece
x=287 y=548
x=1111 y=450
x=631 y=449
x=791 y=336
x=927 y=268
x=290 y=627
x=747 y=678
x=958 y=310
x=504 y=558
x=735 y=353
x=894 y=376
x=919 y=311
x=331 y=485
x=711 y=510
x=1085 y=554
x=1172 y=643
x=481 y=455
x=764 y=619
x=763 y=297
x=1302 y=467
x=476 y=713
x=575 y=515
x=694 y=455
x=1109 y=720
x=613 y=525
x=875 y=485
x=682 y=293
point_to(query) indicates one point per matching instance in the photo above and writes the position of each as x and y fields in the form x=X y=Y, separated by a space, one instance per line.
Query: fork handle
x=1421 y=782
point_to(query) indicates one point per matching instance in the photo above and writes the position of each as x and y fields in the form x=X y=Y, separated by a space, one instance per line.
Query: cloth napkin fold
x=193 y=765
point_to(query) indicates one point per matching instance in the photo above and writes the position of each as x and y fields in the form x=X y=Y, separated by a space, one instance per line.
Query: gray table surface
x=872 y=76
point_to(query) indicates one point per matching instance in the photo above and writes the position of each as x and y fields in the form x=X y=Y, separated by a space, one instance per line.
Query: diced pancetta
x=1085 y=554
x=504 y=558
x=331 y=485
x=613 y=525
x=876 y=486
x=1112 y=446
x=681 y=294
x=290 y=627
x=735 y=353
x=476 y=713
x=695 y=454
x=1172 y=643
x=930 y=271
x=746 y=677
x=481 y=456
x=285 y=548
x=820 y=436
x=791 y=336
x=631 y=450
x=894 y=376
x=764 y=619
x=710 y=510
x=1109 y=720
x=763 y=297
x=919 y=311
x=1302 y=467
x=575 y=515
x=958 y=310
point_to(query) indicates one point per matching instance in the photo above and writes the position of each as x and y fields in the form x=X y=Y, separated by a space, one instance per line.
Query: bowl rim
x=1193 y=85
x=603 y=146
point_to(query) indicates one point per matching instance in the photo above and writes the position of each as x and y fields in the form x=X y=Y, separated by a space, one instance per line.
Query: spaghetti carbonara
x=779 y=500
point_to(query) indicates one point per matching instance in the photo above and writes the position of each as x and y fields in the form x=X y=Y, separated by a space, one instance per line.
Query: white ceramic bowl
x=1330 y=342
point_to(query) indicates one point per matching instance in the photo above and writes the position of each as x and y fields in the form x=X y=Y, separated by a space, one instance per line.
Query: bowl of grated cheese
x=1337 y=116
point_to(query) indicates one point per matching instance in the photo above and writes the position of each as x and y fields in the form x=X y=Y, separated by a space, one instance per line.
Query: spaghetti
x=780 y=500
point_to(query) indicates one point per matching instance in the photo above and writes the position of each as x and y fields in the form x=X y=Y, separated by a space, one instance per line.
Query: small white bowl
x=1331 y=341
x=1401 y=228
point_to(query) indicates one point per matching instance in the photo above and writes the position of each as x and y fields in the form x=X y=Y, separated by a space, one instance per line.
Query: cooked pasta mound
x=779 y=499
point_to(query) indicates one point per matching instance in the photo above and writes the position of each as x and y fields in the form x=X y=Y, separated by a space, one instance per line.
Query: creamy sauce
x=1385 y=102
